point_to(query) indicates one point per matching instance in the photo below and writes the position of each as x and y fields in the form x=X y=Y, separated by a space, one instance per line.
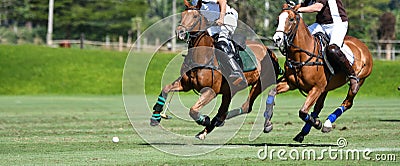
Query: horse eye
x=194 y=16
x=291 y=19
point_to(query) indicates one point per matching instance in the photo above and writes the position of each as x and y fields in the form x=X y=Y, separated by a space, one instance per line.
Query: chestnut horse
x=200 y=72
x=305 y=69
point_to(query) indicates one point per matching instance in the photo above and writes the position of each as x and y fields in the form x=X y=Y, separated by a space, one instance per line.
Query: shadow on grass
x=248 y=144
x=389 y=120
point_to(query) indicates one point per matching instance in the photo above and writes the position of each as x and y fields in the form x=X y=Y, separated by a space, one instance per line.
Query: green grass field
x=78 y=131
x=63 y=106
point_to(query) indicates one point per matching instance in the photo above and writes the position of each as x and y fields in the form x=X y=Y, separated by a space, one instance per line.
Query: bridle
x=288 y=42
x=190 y=29
x=194 y=35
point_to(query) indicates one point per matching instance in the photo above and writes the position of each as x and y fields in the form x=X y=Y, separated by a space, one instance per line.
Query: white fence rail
x=380 y=49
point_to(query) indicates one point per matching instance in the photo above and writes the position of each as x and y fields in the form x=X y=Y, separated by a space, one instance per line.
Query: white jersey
x=213 y=9
x=210 y=9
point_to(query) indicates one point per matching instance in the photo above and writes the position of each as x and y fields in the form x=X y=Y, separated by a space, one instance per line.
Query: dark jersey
x=333 y=11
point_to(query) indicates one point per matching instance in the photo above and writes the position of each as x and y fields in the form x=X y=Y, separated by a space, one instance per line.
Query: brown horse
x=200 y=72
x=305 y=69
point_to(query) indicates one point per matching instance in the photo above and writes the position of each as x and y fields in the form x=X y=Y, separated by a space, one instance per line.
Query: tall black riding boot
x=335 y=52
x=229 y=67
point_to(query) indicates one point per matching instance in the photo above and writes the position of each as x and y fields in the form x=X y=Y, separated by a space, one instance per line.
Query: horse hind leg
x=158 y=106
x=346 y=105
x=246 y=106
x=269 y=110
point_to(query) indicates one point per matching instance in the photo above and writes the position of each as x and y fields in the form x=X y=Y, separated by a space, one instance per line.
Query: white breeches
x=336 y=32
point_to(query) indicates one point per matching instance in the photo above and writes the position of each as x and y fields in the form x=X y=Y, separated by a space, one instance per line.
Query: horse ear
x=198 y=6
x=296 y=7
x=187 y=4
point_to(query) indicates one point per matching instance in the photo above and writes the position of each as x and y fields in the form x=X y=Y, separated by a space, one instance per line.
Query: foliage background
x=97 y=19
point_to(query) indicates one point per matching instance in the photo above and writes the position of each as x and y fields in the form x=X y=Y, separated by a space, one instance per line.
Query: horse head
x=288 y=21
x=192 y=21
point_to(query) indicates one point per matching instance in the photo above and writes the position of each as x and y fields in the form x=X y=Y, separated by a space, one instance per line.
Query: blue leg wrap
x=339 y=111
x=307 y=118
x=270 y=99
x=307 y=127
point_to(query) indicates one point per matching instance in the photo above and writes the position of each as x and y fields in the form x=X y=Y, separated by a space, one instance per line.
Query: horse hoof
x=268 y=128
x=154 y=122
x=327 y=127
x=201 y=135
x=319 y=126
x=299 y=138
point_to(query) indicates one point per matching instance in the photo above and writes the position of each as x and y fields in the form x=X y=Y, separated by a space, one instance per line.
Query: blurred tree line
x=27 y=19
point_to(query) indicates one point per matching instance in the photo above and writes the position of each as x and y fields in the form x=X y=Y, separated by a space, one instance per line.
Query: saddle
x=324 y=43
x=243 y=55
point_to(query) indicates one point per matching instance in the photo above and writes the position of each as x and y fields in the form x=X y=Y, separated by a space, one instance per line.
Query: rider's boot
x=229 y=67
x=335 y=52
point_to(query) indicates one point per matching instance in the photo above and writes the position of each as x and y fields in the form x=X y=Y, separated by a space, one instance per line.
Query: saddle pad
x=349 y=54
x=249 y=59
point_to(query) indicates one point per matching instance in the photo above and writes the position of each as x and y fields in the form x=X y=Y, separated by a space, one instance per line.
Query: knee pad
x=333 y=49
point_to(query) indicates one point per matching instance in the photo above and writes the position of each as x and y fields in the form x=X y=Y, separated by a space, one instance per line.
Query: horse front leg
x=207 y=94
x=317 y=109
x=311 y=99
x=282 y=87
x=219 y=119
x=158 y=106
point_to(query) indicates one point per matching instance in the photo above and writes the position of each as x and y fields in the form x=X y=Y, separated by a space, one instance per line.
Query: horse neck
x=202 y=48
x=303 y=40
x=202 y=26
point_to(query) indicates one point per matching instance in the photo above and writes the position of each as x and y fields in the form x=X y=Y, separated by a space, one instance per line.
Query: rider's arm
x=316 y=7
x=222 y=7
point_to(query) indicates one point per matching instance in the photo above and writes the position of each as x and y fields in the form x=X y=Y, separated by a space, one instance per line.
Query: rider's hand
x=220 y=21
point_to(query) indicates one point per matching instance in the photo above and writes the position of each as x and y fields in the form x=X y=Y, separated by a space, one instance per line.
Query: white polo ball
x=115 y=139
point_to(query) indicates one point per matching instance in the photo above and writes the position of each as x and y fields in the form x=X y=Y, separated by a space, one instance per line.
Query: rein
x=288 y=43
x=188 y=30
x=194 y=38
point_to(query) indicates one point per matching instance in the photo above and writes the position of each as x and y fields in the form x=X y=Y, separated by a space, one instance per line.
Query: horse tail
x=274 y=60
